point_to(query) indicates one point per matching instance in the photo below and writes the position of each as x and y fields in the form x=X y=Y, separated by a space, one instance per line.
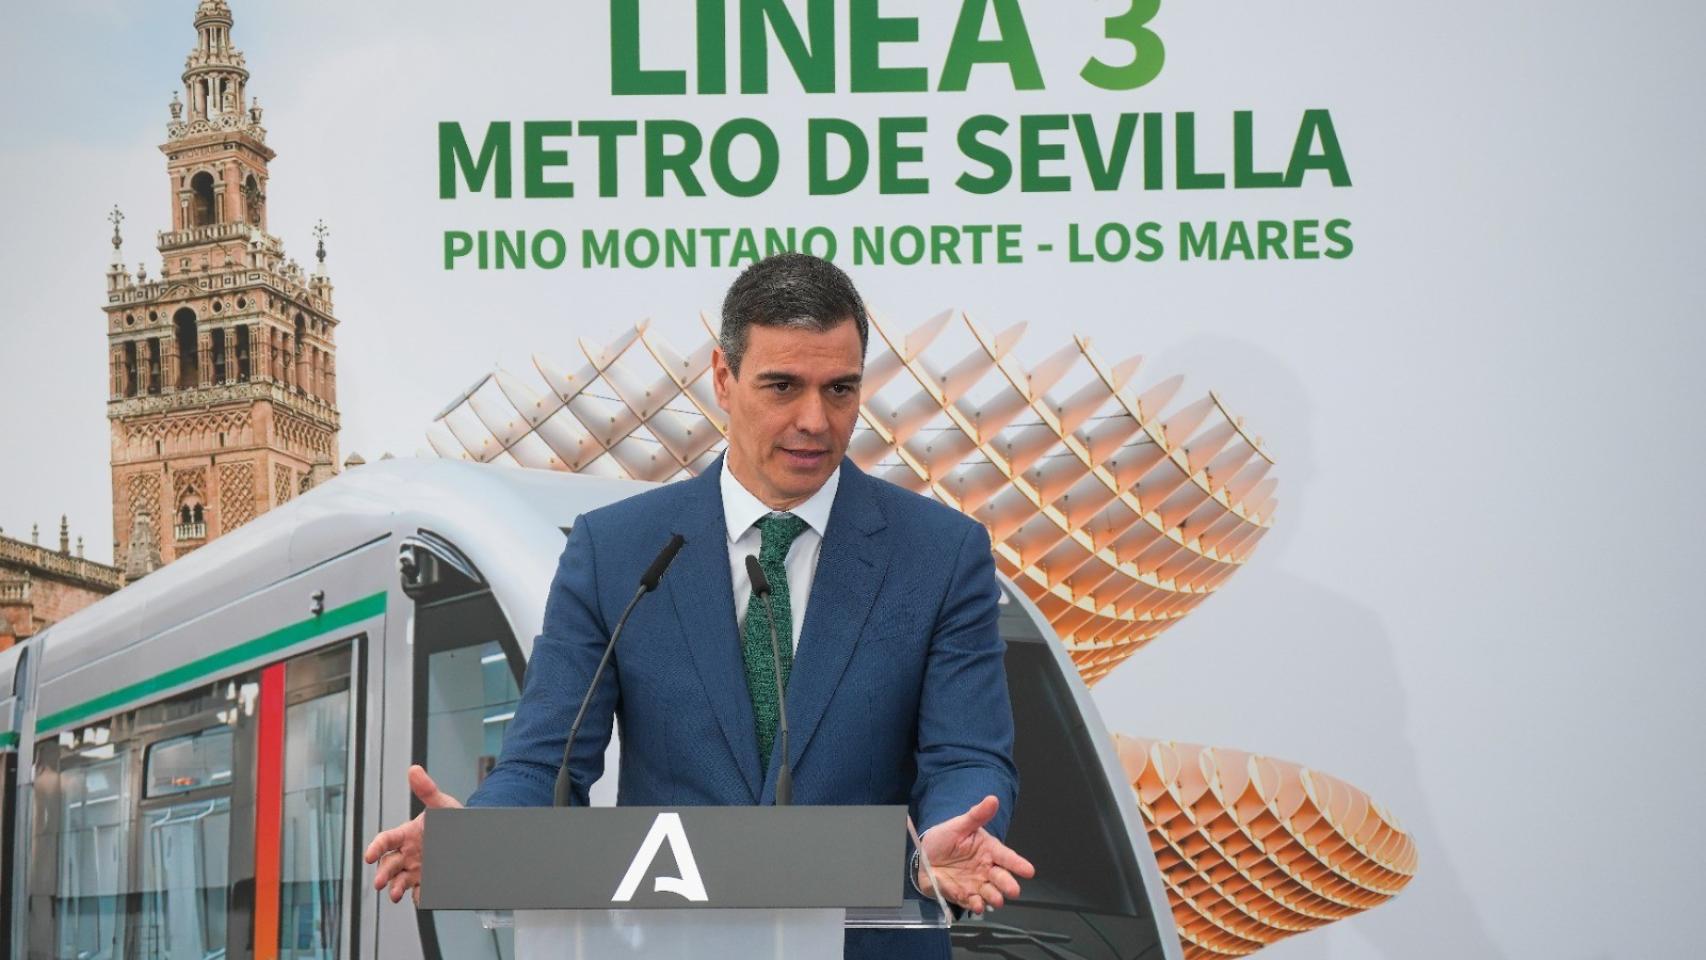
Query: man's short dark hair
x=789 y=290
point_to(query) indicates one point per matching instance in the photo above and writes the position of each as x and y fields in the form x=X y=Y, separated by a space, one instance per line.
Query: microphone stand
x=784 y=773
x=563 y=795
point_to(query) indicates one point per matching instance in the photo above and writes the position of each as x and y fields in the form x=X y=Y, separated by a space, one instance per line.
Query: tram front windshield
x=1087 y=899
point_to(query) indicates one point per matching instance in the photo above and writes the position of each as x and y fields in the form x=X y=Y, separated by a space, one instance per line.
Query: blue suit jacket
x=898 y=693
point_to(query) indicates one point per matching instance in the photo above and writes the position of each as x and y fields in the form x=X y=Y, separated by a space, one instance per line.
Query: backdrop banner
x=1405 y=295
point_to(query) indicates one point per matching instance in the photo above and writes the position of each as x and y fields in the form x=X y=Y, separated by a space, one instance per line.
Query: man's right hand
x=398 y=850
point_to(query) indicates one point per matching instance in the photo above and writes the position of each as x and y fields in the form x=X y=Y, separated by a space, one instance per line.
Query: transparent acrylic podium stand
x=643 y=883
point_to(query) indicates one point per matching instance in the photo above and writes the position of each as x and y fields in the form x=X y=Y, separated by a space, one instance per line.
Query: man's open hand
x=973 y=869
x=398 y=850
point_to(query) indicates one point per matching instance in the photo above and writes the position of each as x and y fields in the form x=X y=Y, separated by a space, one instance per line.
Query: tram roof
x=494 y=514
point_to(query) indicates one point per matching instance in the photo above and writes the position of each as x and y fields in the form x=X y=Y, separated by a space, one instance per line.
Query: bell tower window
x=203 y=208
x=219 y=356
x=252 y=200
x=130 y=368
x=243 y=354
x=296 y=356
x=189 y=360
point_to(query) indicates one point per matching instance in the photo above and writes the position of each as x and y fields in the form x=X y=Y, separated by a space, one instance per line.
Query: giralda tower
x=223 y=395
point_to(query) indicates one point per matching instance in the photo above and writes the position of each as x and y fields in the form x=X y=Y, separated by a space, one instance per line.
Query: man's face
x=791 y=410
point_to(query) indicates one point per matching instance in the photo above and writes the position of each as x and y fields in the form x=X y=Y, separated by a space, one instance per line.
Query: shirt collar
x=741 y=509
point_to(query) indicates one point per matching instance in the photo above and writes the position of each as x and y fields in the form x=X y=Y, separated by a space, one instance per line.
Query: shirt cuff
x=912 y=866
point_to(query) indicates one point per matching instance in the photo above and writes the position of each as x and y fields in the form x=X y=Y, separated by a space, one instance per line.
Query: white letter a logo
x=666 y=828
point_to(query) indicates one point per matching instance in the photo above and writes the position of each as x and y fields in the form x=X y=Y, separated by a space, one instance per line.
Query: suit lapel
x=850 y=568
x=703 y=596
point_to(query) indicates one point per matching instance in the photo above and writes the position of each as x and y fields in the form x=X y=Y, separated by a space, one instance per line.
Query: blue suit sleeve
x=965 y=719
x=565 y=655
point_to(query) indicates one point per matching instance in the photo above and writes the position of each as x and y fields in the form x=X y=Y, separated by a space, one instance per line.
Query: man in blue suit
x=885 y=611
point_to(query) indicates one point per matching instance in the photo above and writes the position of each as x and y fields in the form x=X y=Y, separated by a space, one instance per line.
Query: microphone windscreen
x=654 y=573
x=755 y=573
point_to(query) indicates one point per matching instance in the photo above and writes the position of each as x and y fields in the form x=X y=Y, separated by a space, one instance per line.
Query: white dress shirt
x=742 y=510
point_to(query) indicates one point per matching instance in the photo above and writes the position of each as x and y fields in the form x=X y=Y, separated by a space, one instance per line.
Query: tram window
x=183 y=764
x=133 y=846
x=1084 y=900
x=148 y=829
x=184 y=848
x=471 y=696
x=316 y=758
x=1078 y=813
x=8 y=842
x=467 y=669
x=185 y=859
x=95 y=855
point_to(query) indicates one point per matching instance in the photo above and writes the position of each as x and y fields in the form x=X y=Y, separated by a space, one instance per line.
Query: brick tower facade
x=223 y=399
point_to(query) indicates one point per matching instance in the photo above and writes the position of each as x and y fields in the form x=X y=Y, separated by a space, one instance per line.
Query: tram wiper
x=1000 y=938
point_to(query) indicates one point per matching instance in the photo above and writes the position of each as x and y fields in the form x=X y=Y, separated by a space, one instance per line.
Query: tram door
x=8 y=844
x=314 y=846
x=467 y=676
x=11 y=912
x=212 y=824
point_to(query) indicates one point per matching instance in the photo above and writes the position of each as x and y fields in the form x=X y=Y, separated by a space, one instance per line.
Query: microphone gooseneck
x=563 y=795
x=784 y=773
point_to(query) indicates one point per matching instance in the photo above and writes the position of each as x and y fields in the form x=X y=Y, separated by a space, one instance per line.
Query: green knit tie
x=778 y=531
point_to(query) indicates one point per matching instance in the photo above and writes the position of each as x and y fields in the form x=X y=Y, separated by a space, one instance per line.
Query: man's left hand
x=973 y=869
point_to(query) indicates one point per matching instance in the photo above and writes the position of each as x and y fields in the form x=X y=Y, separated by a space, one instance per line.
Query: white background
x=1479 y=603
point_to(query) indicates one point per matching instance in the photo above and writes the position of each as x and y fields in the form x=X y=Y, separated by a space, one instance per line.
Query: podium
x=649 y=883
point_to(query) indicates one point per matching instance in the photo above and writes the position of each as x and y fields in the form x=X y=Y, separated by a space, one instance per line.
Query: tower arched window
x=252 y=200
x=190 y=517
x=130 y=368
x=243 y=354
x=219 y=371
x=296 y=370
x=204 y=209
x=189 y=358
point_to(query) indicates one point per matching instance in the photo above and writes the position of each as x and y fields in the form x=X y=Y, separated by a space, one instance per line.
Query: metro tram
x=192 y=766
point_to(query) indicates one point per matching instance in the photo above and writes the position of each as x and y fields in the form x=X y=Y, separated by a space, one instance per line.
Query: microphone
x=666 y=556
x=648 y=582
x=784 y=774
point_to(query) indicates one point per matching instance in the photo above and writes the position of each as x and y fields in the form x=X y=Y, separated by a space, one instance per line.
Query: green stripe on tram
x=335 y=619
x=8 y=739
